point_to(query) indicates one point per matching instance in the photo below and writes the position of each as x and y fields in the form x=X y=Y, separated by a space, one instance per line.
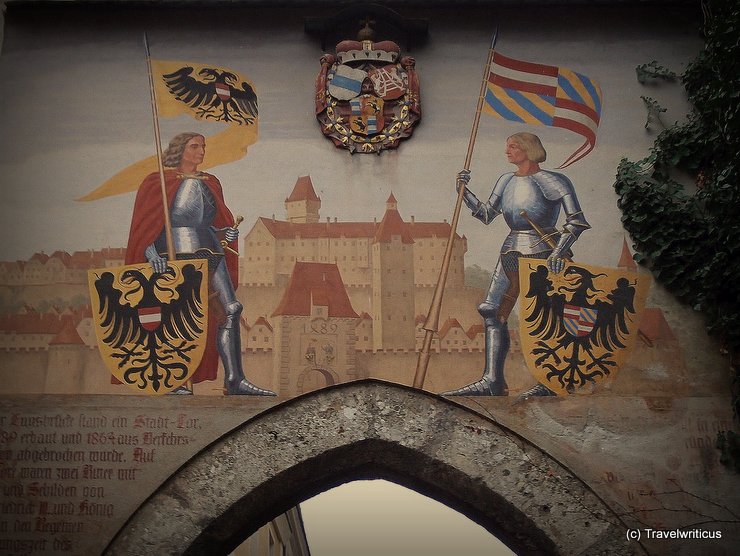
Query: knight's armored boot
x=181 y=391
x=538 y=390
x=229 y=347
x=492 y=382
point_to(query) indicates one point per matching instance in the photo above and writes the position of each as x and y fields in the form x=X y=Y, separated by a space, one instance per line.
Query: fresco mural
x=318 y=268
x=381 y=272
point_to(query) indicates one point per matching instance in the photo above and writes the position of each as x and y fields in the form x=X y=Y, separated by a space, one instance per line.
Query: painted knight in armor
x=197 y=214
x=530 y=201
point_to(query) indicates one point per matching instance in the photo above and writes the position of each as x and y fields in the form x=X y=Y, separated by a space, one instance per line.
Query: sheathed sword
x=547 y=238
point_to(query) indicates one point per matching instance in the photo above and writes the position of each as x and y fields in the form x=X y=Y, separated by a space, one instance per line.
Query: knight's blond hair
x=531 y=145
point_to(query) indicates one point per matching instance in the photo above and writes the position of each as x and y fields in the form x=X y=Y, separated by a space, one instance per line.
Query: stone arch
x=329 y=375
x=373 y=429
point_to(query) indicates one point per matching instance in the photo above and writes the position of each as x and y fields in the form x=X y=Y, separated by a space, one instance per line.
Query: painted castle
x=328 y=302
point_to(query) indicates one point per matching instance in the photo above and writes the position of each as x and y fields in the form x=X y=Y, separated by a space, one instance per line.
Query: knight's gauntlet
x=159 y=264
x=556 y=260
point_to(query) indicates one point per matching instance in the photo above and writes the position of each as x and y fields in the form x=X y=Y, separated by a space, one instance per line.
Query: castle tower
x=302 y=206
x=393 y=282
x=625 y=258
x=65 y=372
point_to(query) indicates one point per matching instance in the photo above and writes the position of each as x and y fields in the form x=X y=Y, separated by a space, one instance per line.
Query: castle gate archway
x=314 y=378
x=372 y=429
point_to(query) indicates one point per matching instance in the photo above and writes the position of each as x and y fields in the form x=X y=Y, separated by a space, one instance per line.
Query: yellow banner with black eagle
x=204 y=92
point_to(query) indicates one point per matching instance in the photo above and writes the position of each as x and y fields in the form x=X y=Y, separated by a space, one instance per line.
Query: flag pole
x=171 y=255
x=431 y=325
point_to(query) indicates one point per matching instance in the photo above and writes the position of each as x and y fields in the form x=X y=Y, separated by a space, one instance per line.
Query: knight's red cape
x=147 y=223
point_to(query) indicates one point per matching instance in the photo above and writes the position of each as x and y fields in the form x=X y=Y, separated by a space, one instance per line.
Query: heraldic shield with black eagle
x=578 y=327
x=151 y=327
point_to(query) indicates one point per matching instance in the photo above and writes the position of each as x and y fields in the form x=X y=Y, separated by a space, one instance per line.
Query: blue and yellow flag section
x=204 y=92
x=539 y=94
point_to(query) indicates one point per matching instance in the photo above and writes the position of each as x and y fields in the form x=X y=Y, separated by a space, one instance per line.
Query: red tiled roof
x=392 y=225
x=35 y=323
x=430 y=229
x=319 y=298
x=263 y=322
x=63 y=256
x=310 y=281
x=113 y=252
x=448 y=325
x=40 y=257
x=303 y=191
x=654 y=325
x=86 y=259
x=78 y=259
x=93 y=259
x=420 y=319
x=365 y=316
x=67 y=336
x=288 y=230
x=474 y=330
x=10 y=266
x=281 y=229
x=625 y=259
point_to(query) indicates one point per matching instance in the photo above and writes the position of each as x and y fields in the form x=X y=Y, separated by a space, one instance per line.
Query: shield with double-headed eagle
x=367 y=96
x=151 y=327
x=577 y=328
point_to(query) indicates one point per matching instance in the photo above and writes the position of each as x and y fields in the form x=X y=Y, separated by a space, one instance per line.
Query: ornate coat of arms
x=578 y=327
x=151 y=327
x=367 y=96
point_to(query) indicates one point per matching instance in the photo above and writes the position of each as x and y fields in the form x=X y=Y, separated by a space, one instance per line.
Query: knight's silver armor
x=192 y=213
x=522 y=200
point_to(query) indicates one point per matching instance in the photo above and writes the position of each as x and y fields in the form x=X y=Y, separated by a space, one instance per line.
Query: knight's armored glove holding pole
x=463 y=179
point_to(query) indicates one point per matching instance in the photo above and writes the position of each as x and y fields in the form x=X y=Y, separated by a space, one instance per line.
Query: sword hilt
x=225 y=244
x=547 y=238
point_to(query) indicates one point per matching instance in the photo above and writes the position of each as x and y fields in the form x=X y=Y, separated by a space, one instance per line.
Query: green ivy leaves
x=690 y=237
